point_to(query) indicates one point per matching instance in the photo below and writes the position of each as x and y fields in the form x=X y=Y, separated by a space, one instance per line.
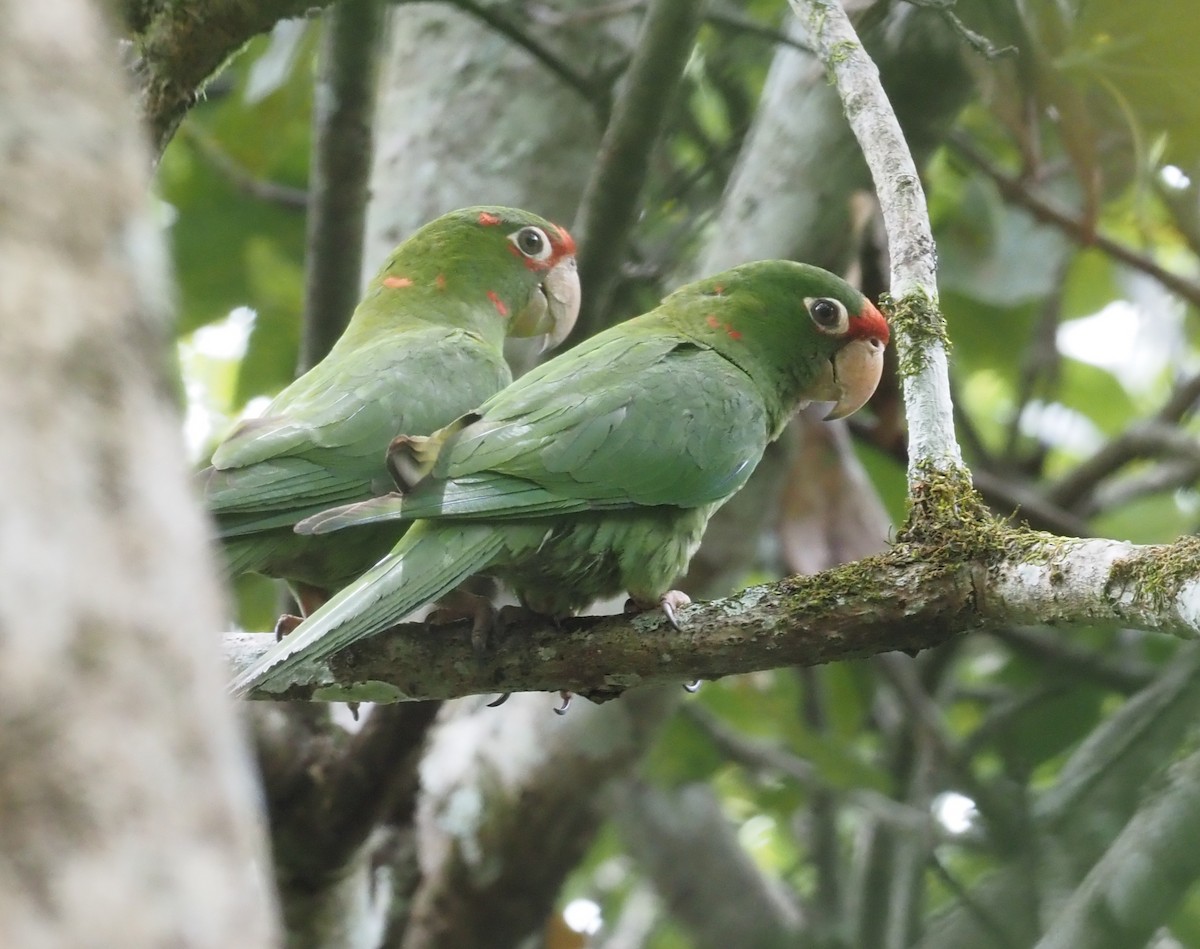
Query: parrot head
x=850 y=377
x=798 y=329
x=509 y=264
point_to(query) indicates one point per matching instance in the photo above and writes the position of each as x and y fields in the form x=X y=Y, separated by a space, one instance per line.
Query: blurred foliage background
x=955 y=799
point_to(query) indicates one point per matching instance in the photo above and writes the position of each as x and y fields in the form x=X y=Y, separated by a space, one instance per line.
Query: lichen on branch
x=921 y=339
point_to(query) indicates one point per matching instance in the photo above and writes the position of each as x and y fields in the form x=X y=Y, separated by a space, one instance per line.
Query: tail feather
x=425 y=564
x=478 y=495
x=247 y=554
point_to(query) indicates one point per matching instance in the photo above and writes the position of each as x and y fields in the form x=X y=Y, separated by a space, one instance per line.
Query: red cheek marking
x=497 y=302
x=732 y=333
x=440 y=281
x=396 y=283
x=713 y=321
x=488 y=220
x=719 y=289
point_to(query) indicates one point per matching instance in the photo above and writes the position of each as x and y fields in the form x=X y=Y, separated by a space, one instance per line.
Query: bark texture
x=918 y=595
x=129 y=813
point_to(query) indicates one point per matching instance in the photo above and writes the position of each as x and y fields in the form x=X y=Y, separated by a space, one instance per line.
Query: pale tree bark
x=509 y=804
x=129 y=812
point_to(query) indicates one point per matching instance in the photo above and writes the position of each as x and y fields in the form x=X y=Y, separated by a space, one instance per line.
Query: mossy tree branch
x=180 y=45
x=932 y=585
x=920 y=331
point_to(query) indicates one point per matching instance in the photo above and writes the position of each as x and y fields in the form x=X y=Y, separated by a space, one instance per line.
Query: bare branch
x=611 y=198
x=589 y=89
x=344 y=100
x=287 y=196
x=1144 y=874
x=714 y=890
x=1143 y=439
x=1046 y=211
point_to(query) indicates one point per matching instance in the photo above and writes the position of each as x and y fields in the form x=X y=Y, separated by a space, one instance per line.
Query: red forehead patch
x=565 y=239
x=487 y=219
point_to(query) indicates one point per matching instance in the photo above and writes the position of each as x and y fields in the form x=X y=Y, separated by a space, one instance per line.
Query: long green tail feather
x=425 y=564
x=483 y=495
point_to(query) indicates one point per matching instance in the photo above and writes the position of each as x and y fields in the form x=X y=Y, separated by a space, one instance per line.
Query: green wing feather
x=592 y=432
x=319 y=444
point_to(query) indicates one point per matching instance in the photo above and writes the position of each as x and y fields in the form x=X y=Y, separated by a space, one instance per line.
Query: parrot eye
x=532 y=242
x=829 y=315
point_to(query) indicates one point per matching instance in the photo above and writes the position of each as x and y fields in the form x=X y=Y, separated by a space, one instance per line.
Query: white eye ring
x=532 y=242
x=828 y=315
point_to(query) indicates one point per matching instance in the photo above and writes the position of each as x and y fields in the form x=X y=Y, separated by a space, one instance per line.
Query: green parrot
x=424 y=346
x=598 y=471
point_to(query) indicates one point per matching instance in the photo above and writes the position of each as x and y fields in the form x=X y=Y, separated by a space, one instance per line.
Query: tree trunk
x=128 y=806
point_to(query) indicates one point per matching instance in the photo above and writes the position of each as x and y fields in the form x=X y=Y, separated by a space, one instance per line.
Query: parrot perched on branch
x=424 y=346
x=598 y=471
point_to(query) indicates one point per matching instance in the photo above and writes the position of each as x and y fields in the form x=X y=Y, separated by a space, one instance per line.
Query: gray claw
x=566 y=703
x=693 y=686
x=496 y=703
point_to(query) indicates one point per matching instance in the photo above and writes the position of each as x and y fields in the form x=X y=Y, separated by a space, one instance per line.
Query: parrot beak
x=855 y=372
x=561 y=287
x=552 y=309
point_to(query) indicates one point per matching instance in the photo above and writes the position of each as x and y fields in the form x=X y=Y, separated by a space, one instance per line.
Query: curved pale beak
x=856 y=369
x=552 y=309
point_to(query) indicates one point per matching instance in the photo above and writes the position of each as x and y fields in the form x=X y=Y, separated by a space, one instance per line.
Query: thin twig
x=1016 y=190
x=1143 y=439
x=761 y=757
x=286 y=196
x=591 y=90
x=1039 y=366
x=821 y=821
x=1075 y=661
x=1181 y=400
x=1166 y=476
x=736 y=24
x=981 y=913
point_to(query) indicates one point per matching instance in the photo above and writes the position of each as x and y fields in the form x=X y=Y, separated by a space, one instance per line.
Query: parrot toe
x=566 y=703
x=285 y=624
x=669 y=602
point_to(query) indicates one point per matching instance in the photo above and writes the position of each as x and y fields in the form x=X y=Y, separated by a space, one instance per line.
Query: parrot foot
x=693 y=686
x=559 y=710
x=669 y=602
x=285 y=624
x=512 y=615
x=461 y=604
